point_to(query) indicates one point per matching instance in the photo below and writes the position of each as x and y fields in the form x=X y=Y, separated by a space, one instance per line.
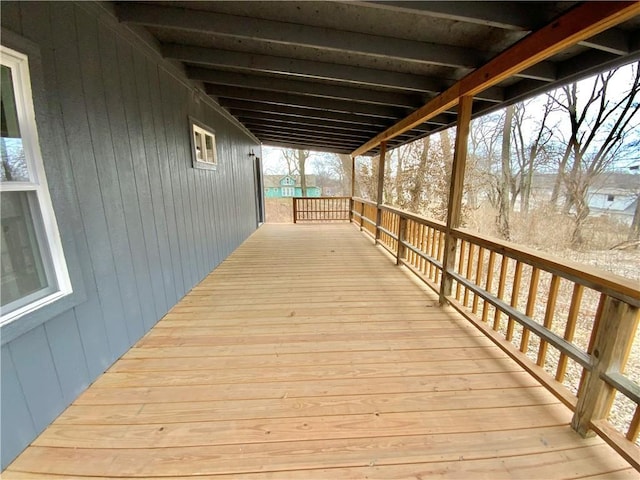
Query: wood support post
x=402 y=226
x=295 y=210
x=611 y=347
x=379 y=199
x=454 y=207
x=361 y=215
x=353 y=176
x=353 y=188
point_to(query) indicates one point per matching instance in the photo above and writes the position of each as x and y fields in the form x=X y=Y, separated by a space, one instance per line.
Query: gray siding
x=144 y=226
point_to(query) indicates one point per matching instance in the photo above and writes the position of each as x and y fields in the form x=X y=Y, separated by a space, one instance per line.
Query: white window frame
x=45 y=224
x=201 y=159
x=291 y=191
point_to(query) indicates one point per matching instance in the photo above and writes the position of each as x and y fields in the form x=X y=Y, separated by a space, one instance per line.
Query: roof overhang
x=343 y=76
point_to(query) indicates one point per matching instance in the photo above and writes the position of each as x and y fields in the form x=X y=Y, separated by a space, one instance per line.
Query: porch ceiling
x=331 y=75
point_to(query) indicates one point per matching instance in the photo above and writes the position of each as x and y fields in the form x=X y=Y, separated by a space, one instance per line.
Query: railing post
x=455 y=194
x=402 y=225
x=361 y=215
x=379 y=199
x=613 y=339
x=295 y=210
x=351 y=207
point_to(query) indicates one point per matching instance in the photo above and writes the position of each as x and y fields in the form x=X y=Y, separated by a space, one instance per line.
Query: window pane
x=14 y=165
x=199 y=149
x=22 y=265
x=209 y=141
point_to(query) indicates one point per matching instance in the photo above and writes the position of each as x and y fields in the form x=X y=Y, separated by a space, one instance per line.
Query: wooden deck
x=308 y=354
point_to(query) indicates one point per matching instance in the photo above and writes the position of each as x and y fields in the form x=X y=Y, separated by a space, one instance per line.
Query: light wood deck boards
x=309 y=355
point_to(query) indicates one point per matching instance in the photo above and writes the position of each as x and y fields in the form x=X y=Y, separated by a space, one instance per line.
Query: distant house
x=617 y=203
x=611 y=194
x=278 y=186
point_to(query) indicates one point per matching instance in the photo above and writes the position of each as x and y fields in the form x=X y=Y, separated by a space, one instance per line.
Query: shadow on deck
x=307 y=354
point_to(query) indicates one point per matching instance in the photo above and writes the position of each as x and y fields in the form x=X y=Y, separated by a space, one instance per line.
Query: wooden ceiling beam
x=513 y=16
x=303 y=146
x=279 y=32
x=296 y=112
x=304 y=87
x=579 y=23
x=346 y=106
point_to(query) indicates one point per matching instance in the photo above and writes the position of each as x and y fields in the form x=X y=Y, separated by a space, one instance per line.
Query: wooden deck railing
x=321 y=209
x=570 y=326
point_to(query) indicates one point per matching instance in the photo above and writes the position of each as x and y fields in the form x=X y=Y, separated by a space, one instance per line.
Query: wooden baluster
x=634 y=426
x=402 y=227
x=460 y=268
x=479 y=271
x=515 y=293
x=435 y=245
x=441 y=241
x=488 y=285
x=351 y=208
x=414 y=259
x=611 y=347
x=362 y=216
x=548 y=317
x=430 y=246
x=422 y=248
x=531 y=305
x=472 y=249
x=501 y=282
x=570 y=328
x=409 y=239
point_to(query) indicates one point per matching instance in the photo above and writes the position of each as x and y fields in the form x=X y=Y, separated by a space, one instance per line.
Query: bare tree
x=531 y=137
x=344 y=173
x=484 y=138
x=600 y=124
x=504 y=189
x=418 y=178
x=296 y=163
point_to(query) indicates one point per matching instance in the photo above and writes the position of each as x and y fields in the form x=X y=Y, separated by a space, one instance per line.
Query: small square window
x=610 y=198
x=204 y=146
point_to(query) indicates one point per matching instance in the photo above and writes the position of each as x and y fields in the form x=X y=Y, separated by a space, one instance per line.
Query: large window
x=32 y=265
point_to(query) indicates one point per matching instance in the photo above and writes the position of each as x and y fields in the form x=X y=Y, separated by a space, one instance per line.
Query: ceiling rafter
x=356 y=108
x=305 y=35
x=278 y=68
x=319 y=141
x=247 y=116
x=515 y=16
x=257 y=125
x=299 y=112
x=314 y=70
x=300 y=87
x=296 y=146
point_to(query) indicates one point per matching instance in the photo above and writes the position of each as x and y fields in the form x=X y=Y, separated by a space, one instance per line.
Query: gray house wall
x=140 y=226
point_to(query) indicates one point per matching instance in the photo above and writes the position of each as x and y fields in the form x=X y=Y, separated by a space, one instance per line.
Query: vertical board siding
x=146 y=226
x=37 y=375
x=125 y=174
x=39 y=19
x=68 y=354
x=17 y=428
